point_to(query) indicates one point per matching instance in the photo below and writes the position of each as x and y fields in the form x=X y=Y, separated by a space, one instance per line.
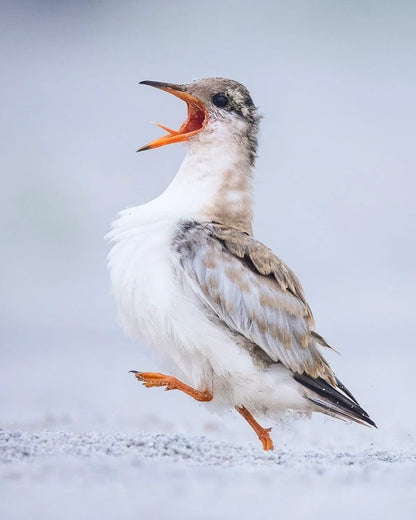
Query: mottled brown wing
x=253 y=292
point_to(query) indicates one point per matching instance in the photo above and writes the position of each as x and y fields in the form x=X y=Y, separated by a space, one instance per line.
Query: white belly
x=153 y=306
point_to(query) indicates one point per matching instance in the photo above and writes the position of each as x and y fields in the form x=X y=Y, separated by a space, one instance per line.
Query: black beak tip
x=162 y=85
x=143 y=148
x=157 y=84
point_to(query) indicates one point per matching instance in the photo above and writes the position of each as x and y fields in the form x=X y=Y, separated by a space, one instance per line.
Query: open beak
x=195 y=122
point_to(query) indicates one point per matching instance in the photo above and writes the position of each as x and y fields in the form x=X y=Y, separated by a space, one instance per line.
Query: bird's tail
x=336 y=401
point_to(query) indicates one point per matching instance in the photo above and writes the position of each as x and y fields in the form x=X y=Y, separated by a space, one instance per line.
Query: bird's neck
x=214 y=182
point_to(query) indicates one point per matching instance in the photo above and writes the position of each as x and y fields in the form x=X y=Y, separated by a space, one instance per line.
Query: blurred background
x=335 y=190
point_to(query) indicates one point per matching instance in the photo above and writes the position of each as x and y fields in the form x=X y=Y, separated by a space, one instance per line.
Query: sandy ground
x=96 y=475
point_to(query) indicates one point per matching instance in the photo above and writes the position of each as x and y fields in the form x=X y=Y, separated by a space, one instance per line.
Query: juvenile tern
x=192 y=281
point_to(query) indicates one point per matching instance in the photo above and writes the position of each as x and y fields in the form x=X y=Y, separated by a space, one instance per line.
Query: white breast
x=153 y=306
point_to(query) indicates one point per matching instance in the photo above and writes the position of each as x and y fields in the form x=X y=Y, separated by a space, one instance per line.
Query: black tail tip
x=336 y=399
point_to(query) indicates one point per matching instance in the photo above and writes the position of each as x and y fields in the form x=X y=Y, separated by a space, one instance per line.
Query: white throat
x=214 y=181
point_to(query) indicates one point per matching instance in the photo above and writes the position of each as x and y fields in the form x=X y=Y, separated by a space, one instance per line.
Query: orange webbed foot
x=266 y=440
x=262 y=433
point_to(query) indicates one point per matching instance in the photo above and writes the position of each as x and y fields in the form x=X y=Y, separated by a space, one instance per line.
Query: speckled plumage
x=253 y=292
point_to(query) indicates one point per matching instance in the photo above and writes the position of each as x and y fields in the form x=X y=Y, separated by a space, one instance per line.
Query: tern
x=192 y=281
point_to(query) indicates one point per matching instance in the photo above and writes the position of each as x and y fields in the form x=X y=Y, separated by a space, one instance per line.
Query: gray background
x=335 y=187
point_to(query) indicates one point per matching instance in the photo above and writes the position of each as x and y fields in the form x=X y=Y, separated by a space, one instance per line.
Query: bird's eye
x=220 y=100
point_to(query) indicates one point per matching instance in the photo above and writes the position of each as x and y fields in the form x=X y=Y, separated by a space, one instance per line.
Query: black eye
x=220 y=100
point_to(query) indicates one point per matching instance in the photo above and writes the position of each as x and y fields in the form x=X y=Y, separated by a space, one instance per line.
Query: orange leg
x=150 y=379
x=262 y=433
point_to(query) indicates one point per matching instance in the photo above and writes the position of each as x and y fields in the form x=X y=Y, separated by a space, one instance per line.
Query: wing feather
x=253 y=292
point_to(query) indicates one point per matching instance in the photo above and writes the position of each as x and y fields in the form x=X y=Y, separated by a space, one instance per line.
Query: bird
x=190 y=279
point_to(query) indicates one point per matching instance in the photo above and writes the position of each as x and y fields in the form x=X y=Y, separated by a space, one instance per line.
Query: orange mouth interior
x=197 y=119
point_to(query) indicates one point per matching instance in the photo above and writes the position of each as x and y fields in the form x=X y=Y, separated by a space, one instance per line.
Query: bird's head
x=217 y=107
